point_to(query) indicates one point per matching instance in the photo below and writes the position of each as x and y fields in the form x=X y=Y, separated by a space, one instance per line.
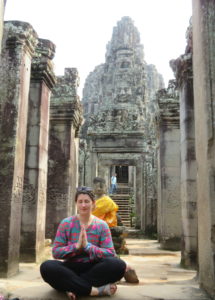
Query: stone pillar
x=150 y=208
x=104 y=173
x=169 y=207
x=36 y=160
x=204 y=95
x=182 y=68
x=65 y=120
x=130 y=175
x=140 y=221
x=93 y=171
x=74 y=166
x=2 y=7
x=18 y=46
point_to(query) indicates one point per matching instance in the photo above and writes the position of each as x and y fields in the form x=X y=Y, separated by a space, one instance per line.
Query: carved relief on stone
x=118 y=119
x=122 y=93
x=121 y=85
x=124 y=59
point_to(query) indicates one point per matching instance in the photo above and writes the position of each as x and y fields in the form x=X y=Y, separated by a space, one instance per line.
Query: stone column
x=182 y=68
x=2 y=7
x=18 y=46
x=66 y=118
x=169 y=207
x=74 y=167
x=150 y=208
x=140 y=222
x=103 y=172
x=130 y=175
x=36 y=160
x=93 y=163
x=204 y=103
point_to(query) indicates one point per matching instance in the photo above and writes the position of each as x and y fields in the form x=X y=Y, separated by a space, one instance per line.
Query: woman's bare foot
x=104 y=290
x=71 y=295
x=113 y=288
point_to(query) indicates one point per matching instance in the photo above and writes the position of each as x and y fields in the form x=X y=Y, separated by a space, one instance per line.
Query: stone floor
x=161 y=278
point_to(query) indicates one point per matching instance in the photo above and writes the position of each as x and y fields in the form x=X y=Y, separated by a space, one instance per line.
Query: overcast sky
x=80 y=29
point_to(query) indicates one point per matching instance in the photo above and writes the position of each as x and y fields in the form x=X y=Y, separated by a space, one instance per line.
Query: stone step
x=123 y=191
x=125 y=218
x=122 y=201
x=120 y=196
x=127 y=212
x=124 y=206
x=125 y=203
x=126 y=222
x=124 y=212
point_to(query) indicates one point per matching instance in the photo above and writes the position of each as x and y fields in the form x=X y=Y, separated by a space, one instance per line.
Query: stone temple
x=160 y=141
x=117 y=102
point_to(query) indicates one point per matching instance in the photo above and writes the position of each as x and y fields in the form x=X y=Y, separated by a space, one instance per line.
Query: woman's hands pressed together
x=82 y=241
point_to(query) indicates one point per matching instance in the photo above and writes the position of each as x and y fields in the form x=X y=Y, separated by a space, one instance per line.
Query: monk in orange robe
x=106 y=209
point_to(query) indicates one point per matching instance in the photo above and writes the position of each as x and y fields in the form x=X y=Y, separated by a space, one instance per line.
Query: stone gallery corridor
x=158 y=141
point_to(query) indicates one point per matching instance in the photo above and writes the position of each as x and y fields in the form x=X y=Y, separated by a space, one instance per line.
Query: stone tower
x=114 y=93
x=115 y=99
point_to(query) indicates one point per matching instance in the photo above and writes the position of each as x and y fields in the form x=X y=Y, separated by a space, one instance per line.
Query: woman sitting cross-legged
x=86 y=262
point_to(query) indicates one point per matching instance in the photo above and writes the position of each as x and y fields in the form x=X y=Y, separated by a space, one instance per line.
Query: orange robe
x=106 y=210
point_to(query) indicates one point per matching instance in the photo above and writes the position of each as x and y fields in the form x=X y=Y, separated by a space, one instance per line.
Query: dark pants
x=79 y=278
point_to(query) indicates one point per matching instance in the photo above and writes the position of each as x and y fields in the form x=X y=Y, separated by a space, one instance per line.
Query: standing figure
x=113 y=184
x=106 y=209
x=85 y=260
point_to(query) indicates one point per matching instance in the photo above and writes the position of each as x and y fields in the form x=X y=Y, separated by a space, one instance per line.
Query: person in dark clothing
x=86 y=262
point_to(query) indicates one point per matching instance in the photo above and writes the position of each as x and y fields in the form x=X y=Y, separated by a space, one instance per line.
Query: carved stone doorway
x=122 y=174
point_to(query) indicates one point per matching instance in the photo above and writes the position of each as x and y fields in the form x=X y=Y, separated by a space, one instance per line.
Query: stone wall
x=204 y=95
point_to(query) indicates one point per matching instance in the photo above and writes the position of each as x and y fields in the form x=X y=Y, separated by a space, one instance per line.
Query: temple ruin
x=159 y=141
x=116 y=102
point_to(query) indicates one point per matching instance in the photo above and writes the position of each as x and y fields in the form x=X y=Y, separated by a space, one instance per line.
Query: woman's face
x=85 y=204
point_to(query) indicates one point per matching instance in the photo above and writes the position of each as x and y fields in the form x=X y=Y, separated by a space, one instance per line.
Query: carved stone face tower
x=114 y=101
x=114 y=93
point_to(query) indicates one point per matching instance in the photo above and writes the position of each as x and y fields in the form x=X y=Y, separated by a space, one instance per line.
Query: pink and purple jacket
x=99 y=238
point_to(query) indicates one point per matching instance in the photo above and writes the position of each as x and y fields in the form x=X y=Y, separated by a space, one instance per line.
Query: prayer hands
x=82 y=241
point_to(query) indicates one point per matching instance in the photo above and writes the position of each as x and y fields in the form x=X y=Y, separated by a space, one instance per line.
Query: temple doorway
x=122 y=174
